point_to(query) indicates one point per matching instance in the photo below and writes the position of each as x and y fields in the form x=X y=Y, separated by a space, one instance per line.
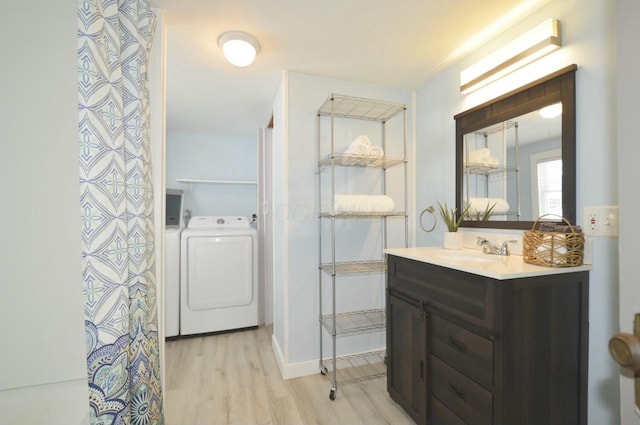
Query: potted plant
x=483 y=215
x=452 y=239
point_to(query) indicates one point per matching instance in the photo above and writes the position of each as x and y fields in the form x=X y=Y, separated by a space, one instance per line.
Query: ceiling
x=398 y=44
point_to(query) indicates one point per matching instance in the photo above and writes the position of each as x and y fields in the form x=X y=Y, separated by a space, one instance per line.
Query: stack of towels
x=362 y=146
x=363 y=203
x=480 y=205
x=482 y=157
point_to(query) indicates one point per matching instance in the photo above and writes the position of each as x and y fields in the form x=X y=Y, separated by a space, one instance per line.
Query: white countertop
x=500 y=267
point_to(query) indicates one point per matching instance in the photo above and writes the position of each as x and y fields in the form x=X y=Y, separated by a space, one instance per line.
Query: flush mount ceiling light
x=239 y=47
x=540 y=41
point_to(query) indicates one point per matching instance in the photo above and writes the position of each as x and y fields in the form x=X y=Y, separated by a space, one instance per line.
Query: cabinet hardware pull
x=459 y=346
x=458 y=393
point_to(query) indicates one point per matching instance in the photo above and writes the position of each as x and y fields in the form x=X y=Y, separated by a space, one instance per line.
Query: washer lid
x=201 y=221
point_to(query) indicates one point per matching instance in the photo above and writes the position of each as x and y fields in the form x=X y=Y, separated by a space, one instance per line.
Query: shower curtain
x=114 y=39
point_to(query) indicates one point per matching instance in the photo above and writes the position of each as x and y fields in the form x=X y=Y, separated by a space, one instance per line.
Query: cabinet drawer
x=471 y=402
x=440 y=415
x=464 y=295
x=470 y=353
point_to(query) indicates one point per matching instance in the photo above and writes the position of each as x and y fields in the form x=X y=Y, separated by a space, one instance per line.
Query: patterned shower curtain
x=114 y=39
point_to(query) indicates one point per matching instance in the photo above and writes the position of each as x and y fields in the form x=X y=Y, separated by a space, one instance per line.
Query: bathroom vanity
x=480 y=339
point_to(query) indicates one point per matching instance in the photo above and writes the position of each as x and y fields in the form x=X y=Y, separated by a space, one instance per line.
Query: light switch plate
x=600 y=221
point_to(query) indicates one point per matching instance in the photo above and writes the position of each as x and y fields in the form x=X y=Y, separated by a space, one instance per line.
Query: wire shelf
x=484 y=169
x=497 y=128
x=354 y=267
x=357 y=322
x=360 y=108
x=359 y=367
x=355 y=160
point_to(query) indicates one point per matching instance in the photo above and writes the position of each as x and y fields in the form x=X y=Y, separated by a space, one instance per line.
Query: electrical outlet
x=601 y=221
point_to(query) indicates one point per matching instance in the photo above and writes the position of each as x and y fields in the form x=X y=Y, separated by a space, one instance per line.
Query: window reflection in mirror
x=513 y=169
x=546 y=183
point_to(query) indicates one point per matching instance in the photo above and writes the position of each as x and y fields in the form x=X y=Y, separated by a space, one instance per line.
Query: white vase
x=453 y=240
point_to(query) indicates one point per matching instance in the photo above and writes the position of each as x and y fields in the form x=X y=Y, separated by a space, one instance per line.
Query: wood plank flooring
x=233 y=378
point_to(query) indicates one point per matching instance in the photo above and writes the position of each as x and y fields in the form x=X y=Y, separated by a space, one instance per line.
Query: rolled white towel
x=363 y=203
x=376 y=151
x=358 y=150
x=480 y=205
x=359 y=146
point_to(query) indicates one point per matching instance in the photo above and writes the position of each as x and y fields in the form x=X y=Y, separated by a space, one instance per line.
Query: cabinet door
x=406 y=355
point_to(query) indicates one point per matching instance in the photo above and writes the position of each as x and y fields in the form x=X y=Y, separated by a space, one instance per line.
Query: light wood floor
x=233 y=378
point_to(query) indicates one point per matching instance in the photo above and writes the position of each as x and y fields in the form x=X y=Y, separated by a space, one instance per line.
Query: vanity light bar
x=538 y=42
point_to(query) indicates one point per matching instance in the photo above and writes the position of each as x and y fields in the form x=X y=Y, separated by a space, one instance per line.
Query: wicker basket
x=553 y=249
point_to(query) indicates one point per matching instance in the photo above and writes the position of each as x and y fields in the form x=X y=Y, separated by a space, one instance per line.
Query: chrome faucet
x=489 y=248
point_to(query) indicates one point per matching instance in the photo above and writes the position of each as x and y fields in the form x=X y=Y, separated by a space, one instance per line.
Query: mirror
x=512 y=159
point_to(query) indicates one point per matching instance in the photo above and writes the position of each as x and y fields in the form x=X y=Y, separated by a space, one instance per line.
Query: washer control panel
x=219 y=221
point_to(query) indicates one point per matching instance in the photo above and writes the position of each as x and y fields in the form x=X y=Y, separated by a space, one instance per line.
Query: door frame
x=265 y=220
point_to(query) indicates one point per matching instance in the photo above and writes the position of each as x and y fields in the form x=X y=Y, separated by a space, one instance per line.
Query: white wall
x=296 y=217
x=210 y=157
x=280 y=198
x=628 y=90
x=43 y=376
x=587 y=34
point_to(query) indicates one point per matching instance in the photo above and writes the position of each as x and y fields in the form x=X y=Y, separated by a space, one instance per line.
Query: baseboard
x=297 y=370
x=293 y=370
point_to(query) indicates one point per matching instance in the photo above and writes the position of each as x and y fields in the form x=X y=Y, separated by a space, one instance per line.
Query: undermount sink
x=467 y=258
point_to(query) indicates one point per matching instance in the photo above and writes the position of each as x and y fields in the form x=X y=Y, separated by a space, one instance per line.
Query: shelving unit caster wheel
x=332 y=394
x=324 y=371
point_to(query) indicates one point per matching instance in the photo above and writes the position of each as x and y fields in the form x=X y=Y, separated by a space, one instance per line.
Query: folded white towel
x=376 y=151
x=492 y=160
x=363 y=203
x=480 y=205
x=482 y=157
x=478 y=156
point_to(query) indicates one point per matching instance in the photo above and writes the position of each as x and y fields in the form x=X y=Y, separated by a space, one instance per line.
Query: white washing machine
x=218 y=275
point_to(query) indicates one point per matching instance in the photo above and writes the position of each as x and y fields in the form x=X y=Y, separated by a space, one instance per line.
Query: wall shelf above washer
x=201 y=181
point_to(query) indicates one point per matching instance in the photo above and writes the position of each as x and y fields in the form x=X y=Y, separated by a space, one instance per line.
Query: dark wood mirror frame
x=556 y=87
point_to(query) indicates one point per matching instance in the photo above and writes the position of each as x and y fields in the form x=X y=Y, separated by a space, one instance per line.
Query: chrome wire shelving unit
x=489 y=176
x=344 y=324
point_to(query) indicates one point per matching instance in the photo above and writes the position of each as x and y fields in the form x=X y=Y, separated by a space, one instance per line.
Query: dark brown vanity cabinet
x=407 y=333
x=467 y=349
